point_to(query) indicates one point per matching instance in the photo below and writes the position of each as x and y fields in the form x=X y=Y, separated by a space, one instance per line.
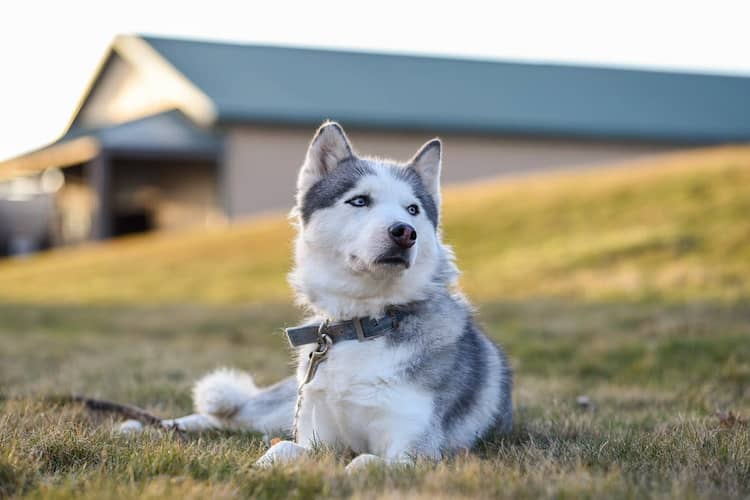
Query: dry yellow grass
x=670 y=226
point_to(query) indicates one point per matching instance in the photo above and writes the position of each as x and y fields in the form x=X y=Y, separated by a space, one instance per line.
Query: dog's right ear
x=328 y=148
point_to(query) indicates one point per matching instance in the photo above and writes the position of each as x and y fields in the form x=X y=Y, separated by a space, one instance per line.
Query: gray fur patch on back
x=504 y=417
x=460 y=390
x=455 y=368
x=328 y=190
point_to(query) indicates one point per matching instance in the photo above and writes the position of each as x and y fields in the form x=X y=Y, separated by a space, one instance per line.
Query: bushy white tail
x=229 y=399
x=223 y=393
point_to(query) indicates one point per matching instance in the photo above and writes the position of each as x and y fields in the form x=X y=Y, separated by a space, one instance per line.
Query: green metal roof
x=249 y=83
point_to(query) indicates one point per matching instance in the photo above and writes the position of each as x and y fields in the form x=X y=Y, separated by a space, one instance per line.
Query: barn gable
x=134 y=81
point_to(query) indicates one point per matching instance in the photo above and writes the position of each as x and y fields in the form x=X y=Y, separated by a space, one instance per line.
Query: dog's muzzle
x=395 y=256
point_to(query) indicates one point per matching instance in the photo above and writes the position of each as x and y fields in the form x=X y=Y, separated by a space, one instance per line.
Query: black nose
x=403 y=234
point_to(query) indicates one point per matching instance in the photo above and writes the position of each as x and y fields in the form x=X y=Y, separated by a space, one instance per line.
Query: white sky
x=49 y=49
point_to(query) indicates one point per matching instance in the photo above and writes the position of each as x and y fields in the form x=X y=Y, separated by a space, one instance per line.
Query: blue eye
x=359 y=201
x=413 y=209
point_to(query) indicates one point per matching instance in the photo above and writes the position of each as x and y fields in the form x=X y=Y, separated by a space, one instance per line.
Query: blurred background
x=596 y=192
x=173 y=116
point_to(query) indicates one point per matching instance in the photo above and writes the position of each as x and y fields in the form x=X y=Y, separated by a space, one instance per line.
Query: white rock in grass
x=585 y=403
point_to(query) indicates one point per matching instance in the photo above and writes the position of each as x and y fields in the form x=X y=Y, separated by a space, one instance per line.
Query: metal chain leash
x=316 y=357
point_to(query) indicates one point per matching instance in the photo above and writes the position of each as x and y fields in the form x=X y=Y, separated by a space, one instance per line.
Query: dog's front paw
x=129 y=428
x=283 y=452
x=192 y=423
x=362 y=462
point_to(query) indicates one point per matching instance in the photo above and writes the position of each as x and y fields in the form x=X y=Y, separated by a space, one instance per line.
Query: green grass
x=628 y=286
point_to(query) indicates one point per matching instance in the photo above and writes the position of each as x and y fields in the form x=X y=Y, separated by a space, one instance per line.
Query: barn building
x=177 y=133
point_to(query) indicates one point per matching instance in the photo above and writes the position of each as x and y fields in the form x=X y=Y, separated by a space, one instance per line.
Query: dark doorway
x=132 y=222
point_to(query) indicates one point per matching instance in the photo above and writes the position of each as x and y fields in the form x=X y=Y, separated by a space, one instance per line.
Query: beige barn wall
x=260 y=163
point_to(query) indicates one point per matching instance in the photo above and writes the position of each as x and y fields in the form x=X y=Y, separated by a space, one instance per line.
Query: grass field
x=627 y=285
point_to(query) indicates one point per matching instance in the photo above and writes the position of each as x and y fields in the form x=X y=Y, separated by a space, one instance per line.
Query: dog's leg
x=189 y=423
x=285 y=452
x=316 y=424
x=313 y=428
x=270 y=410
x=363 y=461
x=192 y=423
x=405 y=433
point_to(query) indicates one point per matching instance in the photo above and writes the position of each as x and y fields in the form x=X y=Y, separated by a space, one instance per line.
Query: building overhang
x=59 y=155
x=163 y=135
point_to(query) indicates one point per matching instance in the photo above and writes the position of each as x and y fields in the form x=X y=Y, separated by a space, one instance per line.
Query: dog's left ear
x=328 y=148
x=427 y=163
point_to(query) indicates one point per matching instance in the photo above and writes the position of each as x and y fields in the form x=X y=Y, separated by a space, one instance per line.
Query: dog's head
x=368 y=228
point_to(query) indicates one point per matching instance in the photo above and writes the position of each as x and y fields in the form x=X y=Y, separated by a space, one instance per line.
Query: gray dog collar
x=356 y=329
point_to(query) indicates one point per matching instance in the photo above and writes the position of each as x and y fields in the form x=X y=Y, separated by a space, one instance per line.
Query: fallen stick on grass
x=104 y=406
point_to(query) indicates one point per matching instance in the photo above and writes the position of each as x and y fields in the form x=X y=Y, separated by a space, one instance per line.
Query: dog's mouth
x=393 y=260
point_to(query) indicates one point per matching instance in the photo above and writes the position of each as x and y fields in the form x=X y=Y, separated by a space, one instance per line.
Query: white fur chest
x=360 y=398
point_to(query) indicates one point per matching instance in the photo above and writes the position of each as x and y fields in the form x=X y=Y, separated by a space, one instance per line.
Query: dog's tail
x=231 y=400
x=223 y=393
x=224 y=399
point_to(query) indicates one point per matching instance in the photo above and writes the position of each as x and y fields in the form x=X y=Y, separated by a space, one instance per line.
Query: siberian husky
x=391 y=364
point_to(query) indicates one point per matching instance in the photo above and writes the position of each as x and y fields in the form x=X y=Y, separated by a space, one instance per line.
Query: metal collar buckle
x=359 y=330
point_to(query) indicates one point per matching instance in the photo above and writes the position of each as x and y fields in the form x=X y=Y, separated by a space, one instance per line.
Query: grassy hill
x=627 y=285
x=673 y=227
